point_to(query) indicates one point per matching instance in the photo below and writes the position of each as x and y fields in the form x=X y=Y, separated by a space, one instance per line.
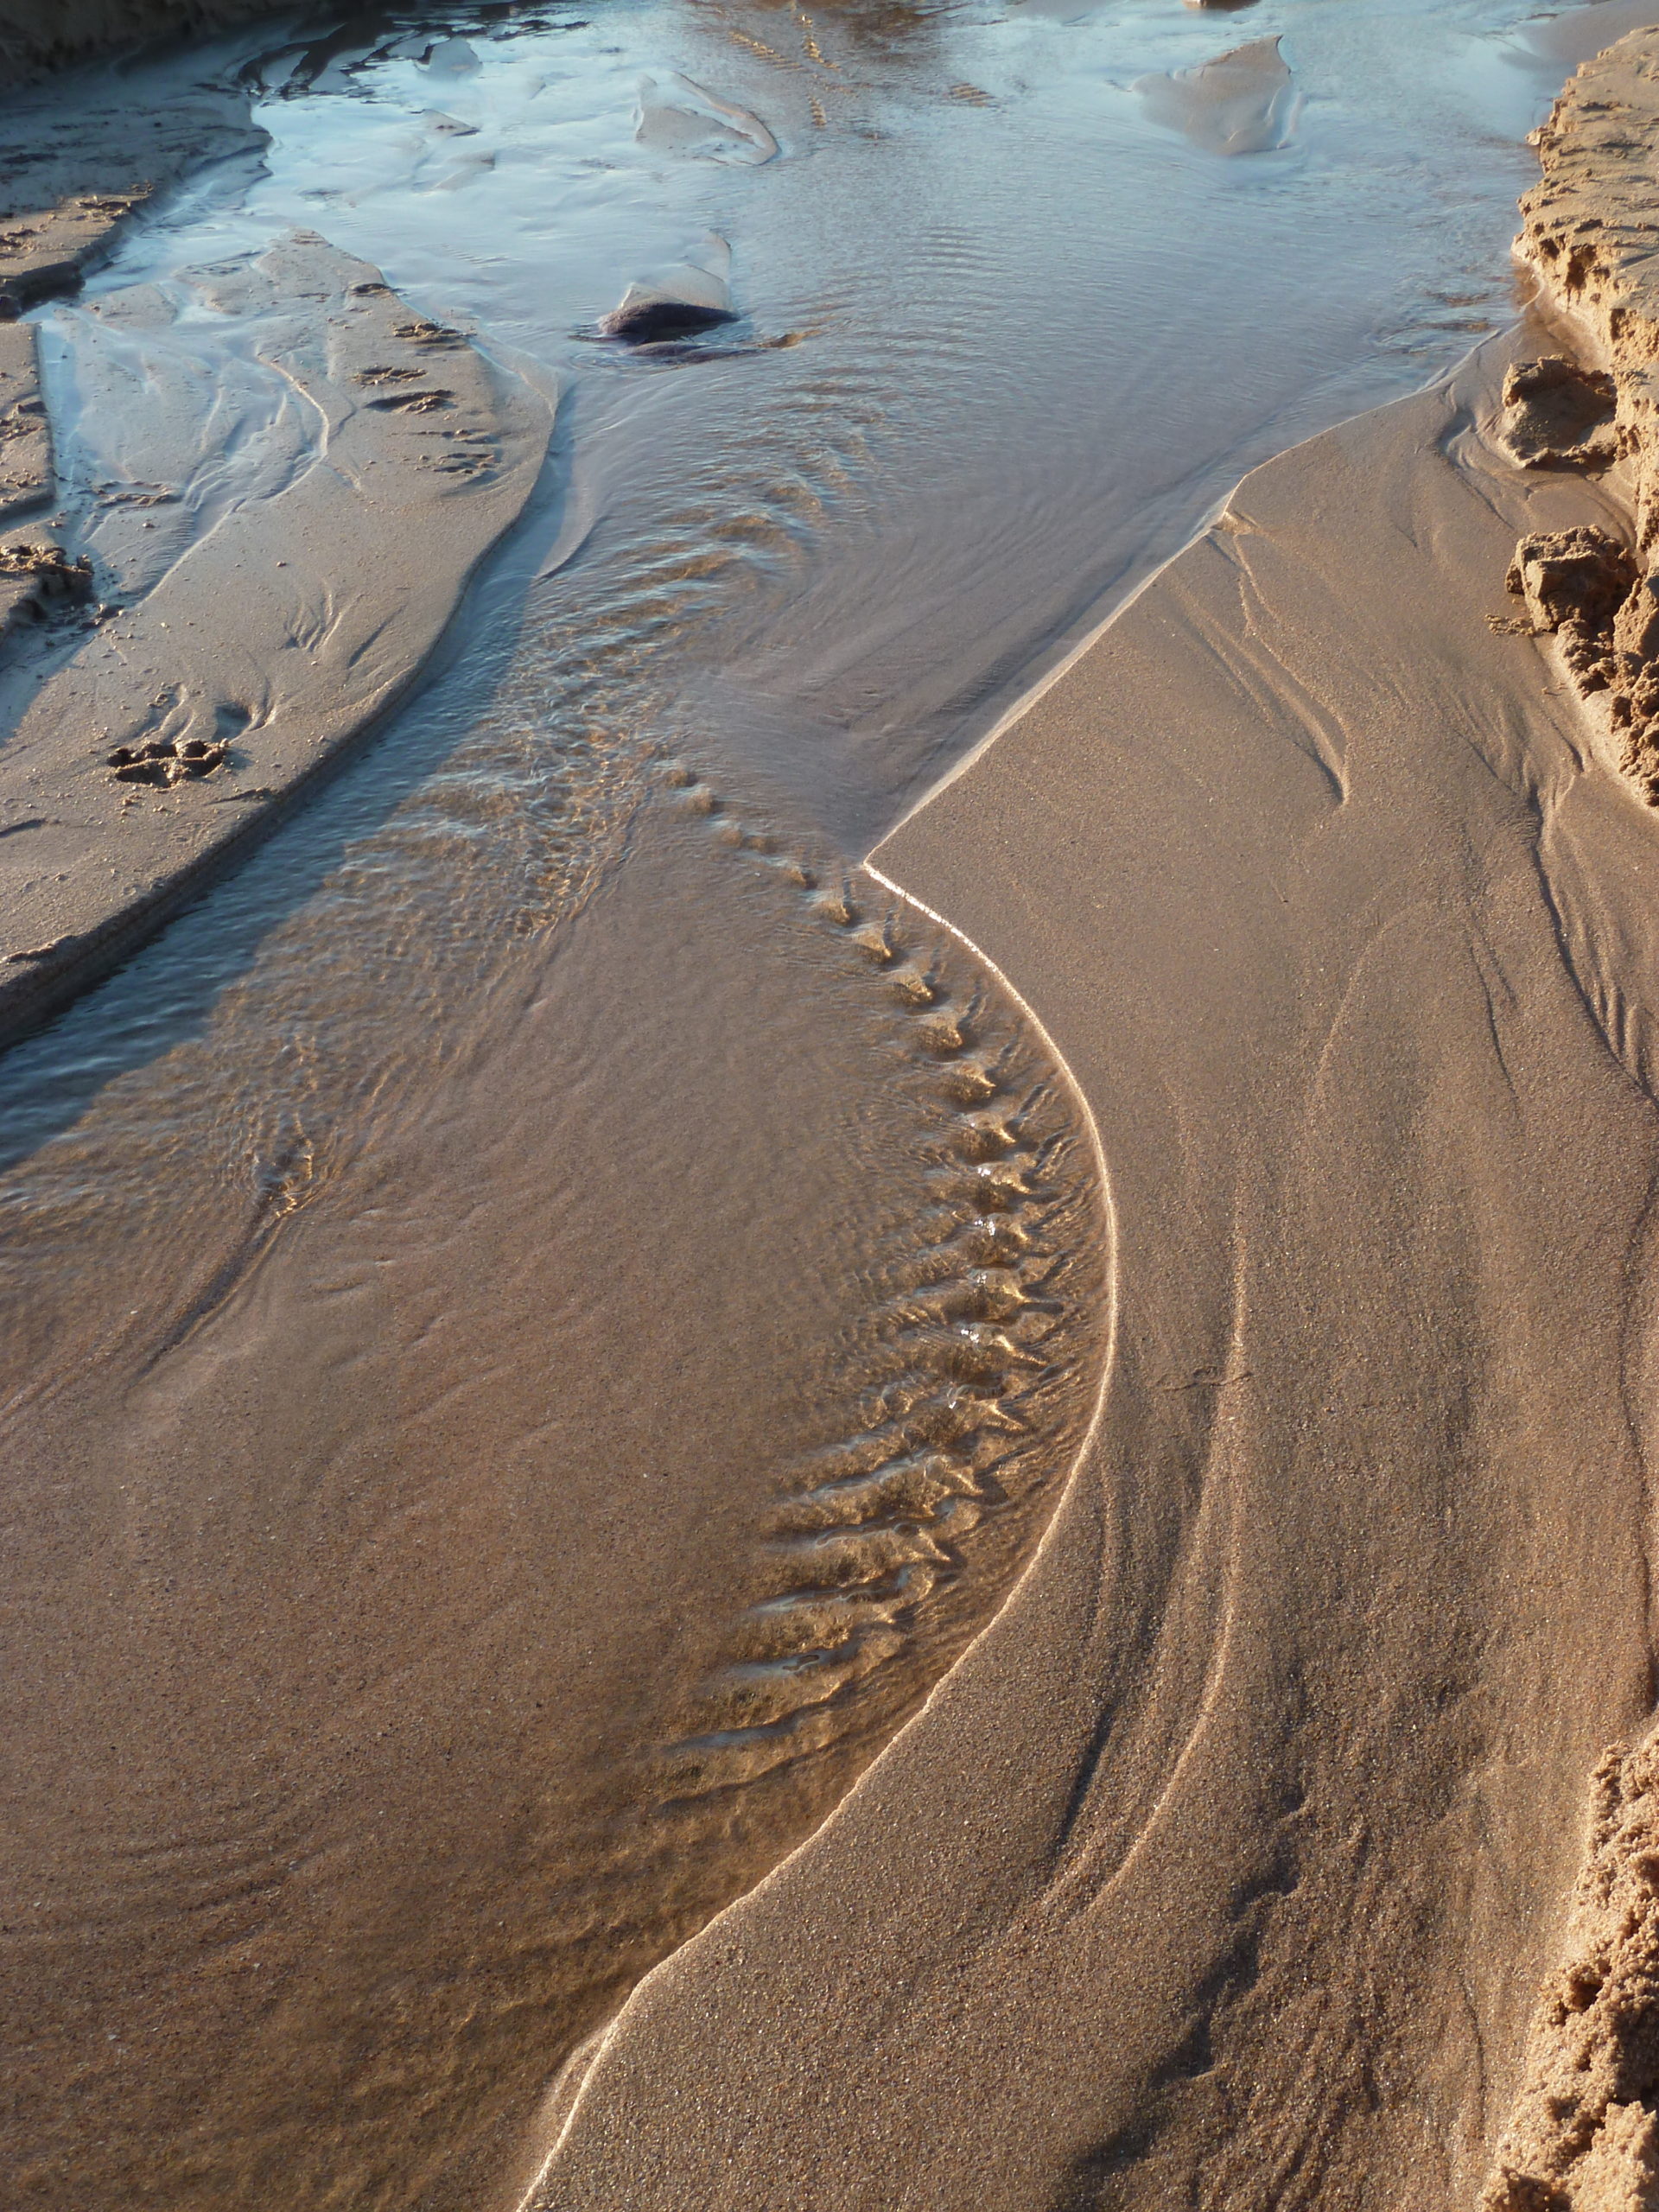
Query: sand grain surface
x=1223 y=1869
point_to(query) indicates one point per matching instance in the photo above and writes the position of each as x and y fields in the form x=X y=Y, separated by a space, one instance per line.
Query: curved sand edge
x=276 y=642
x=1224 y=1867
x=535 y=2181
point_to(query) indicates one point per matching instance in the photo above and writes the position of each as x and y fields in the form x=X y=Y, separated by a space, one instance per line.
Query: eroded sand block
x=37 y=580
x=1589 y=231
x=1584 y=2136
x=1558 y=414
x=275 y=640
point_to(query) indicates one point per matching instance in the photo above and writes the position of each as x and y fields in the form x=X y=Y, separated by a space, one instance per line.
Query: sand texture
x=1224 y=1868
x=1589 y=228
x=1584 y=2134
x=275 y=640
x=371 y=1738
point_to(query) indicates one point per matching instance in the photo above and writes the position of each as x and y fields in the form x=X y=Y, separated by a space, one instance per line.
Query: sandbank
x=1225 y=1866
x=276 y=640
x=182 y=726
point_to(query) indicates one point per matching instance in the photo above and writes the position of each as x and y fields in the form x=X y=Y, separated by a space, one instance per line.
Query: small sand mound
x=1241 y=102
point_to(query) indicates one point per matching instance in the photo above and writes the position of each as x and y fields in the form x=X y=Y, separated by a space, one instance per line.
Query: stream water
x=460 y=1272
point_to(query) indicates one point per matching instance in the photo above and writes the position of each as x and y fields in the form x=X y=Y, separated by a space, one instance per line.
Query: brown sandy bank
x=1589 y=228
x=1224 y=1868
x=276 y=638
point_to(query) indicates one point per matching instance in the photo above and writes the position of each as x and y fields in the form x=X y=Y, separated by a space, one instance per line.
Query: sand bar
x=278 y=638
x=1226 y=1863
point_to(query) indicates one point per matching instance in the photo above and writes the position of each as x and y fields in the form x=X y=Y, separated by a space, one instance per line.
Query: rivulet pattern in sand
x=1223 y=1869
x=372 y=1781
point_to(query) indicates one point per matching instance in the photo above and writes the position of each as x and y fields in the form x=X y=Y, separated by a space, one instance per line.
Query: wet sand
x=1224 y=1868
x=134 y=763
x=354 y=1784
x=381 y=1732
x=280 y=637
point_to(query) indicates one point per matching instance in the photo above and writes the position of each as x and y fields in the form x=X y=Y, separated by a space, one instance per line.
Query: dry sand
x=1224 y=1867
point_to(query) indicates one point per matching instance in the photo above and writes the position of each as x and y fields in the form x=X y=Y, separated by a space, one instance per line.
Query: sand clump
x=1558 y=414
x=1585 y=2133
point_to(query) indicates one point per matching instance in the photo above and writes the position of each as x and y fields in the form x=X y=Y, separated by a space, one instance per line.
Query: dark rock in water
x=645 y=322
x=1557 y=414
x=677 y=302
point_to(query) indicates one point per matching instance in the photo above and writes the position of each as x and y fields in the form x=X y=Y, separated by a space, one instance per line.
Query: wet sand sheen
x=1249 y=1823
x=381 y=1734
x=385 y=1734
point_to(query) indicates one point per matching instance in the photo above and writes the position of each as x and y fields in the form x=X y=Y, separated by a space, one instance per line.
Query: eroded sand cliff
x=1589 y=229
